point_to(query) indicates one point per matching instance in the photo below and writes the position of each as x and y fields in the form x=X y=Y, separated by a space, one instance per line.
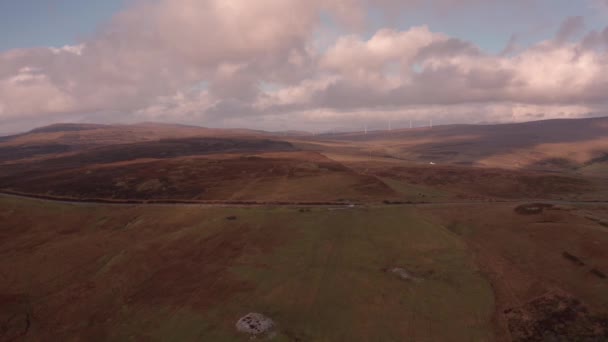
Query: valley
x=174 y=233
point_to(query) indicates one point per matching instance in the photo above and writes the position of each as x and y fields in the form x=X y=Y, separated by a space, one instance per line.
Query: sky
x=46 y=23
x=313 y=65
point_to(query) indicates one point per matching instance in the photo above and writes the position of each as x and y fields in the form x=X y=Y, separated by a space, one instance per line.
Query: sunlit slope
x=563 y=145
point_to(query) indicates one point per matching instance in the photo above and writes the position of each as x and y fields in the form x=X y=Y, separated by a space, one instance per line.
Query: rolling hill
x=168 y=232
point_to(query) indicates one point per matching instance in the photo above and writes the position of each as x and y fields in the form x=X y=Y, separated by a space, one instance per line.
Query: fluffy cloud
x=417 y=67
x=259 y=62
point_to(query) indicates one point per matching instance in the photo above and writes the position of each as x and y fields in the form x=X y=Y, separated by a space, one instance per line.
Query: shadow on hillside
x=162 y=149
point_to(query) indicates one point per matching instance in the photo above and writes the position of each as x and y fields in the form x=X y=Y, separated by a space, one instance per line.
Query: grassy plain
x=163 y=273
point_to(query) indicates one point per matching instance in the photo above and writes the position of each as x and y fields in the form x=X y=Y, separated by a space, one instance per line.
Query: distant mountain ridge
x=529 y=125
x=67 y=127
x=559 y=144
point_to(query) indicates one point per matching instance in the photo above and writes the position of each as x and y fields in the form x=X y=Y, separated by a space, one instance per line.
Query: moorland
x=167 y=232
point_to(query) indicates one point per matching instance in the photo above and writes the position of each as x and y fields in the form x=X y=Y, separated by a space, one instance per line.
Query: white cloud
x=149 y=63
x=75 y=49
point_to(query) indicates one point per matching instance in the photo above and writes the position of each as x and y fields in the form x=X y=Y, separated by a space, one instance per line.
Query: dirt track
x=247 y=204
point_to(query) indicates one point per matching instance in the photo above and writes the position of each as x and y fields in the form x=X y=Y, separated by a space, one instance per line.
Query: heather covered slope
x=50 y=141
x=263 y=177
x=446 y=163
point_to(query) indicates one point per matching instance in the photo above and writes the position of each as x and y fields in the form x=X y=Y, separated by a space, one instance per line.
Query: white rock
x=254 y=324
x=403 y=274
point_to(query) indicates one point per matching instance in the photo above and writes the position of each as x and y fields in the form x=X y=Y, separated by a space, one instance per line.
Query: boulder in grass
x=404 y=274
x=254 y=324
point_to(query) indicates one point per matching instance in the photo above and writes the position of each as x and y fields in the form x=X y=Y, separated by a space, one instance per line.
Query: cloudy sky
x=301 y=64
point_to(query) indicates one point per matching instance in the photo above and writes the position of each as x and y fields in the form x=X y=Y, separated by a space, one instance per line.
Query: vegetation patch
x=556 y=318
x=459 y=228
x=150 y=185
x=388 y=202
x=573 y=258
x=15 y=317
x=598 y=273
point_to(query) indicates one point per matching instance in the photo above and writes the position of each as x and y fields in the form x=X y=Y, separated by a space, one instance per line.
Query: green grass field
x=188 y=274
